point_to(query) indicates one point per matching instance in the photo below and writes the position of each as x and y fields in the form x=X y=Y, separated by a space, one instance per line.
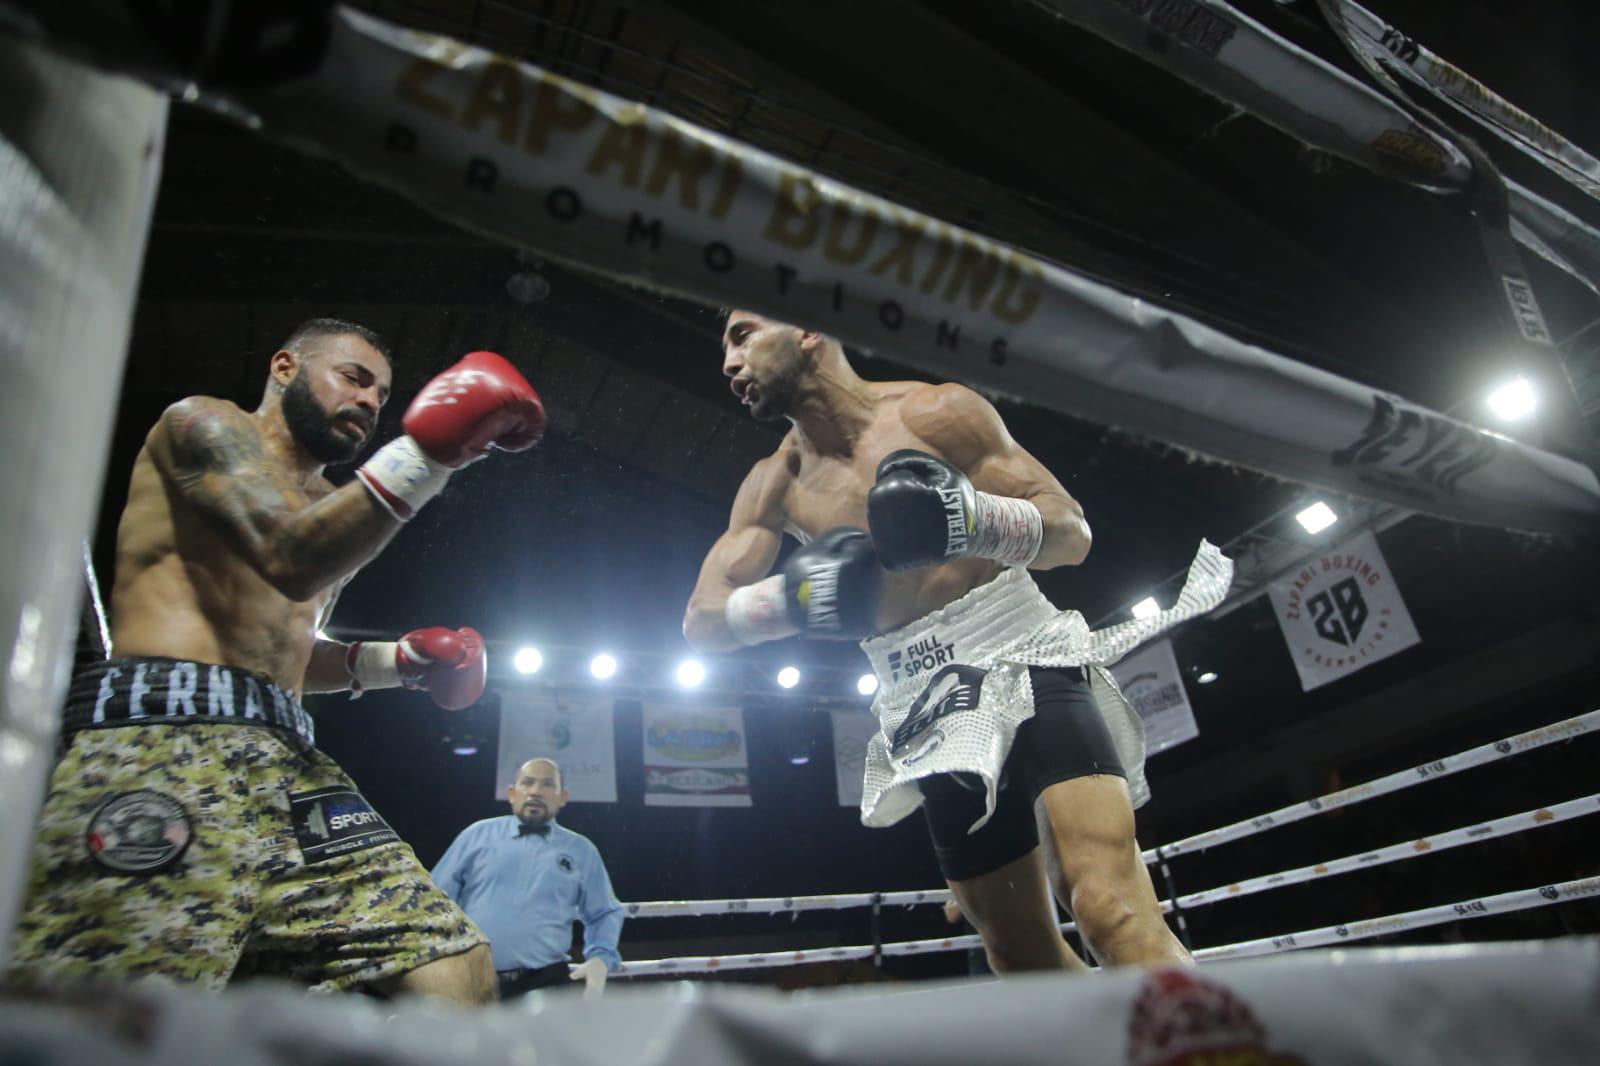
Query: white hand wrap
x=756 y=613
x=402 y=478
x=1007 y=530
x=372 y=664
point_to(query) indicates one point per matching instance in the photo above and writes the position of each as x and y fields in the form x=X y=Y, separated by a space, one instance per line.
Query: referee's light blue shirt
x=525 y=889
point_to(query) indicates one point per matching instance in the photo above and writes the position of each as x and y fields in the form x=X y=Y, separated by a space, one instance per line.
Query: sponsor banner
x=1483 y=754
x=1225 y=53
x=695 y=757
x=1150 y=681
x=1342 y=611
x=576 y=733
x=614 y=186
x=851 y=731
x=1381 y=45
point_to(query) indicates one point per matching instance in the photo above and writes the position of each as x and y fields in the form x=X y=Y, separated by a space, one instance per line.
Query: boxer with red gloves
x=448 y=664
x=191 y=806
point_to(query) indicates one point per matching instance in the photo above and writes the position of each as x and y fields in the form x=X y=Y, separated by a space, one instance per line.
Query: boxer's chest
x=831 y=490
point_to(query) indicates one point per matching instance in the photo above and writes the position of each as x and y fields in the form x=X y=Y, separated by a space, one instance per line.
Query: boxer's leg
x=1086 y=824
x=1012 y=910
x=996 y=874
x=467 y=978
x=1097 y=873
x=348 y=904
x=134 y=869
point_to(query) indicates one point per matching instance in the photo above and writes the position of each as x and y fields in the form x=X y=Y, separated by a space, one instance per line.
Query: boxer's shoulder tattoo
x=222 y=467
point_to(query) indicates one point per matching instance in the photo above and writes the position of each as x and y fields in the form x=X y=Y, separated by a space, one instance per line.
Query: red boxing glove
x=451 y=665
x=480 y=403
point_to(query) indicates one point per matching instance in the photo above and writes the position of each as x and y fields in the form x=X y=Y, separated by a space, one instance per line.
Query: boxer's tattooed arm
x=213 y=454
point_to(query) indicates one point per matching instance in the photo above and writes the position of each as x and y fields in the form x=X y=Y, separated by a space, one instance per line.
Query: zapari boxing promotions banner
x=576 y=733
x=623 y=189
x=695 y=757
x=1150 y=679
x=1342 y=611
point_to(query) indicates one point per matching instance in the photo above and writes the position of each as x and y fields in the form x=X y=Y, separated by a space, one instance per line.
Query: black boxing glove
x=830 y=586
x=923 y=512
x=828 y=590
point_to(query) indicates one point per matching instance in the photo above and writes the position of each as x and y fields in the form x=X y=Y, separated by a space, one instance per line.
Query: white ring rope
x=1395 y=782
x=1410 y=849
x=1504 y=903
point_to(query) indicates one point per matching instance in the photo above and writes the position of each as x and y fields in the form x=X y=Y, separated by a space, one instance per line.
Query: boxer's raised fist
x=480 y=403
x=450 y=665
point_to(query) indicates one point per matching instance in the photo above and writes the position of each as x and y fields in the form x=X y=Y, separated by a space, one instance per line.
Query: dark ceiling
x=1005 y=119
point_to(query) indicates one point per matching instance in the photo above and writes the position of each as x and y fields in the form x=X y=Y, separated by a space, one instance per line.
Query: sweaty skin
x=233 y=545
x=842 y=428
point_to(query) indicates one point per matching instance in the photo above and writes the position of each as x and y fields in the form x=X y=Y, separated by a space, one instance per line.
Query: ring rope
x=1410 y=849
x=1395 y=782
x=1504 y=903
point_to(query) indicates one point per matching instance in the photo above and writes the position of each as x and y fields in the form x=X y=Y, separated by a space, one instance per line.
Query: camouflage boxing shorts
x=191 y=831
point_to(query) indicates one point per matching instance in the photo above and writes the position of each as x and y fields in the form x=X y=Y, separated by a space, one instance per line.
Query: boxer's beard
x=312 y=426
x=776 y=393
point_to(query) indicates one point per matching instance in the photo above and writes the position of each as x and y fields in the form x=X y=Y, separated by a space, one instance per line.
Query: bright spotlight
x=1513 y=401
x=1146 y=608
x=788 y=677
x=1317 y=517
x=527 y=660
x=1207 y=677
x=867 y=684
x=603 y=666
x=464 y=750
x=691 y=672
x=799 y=760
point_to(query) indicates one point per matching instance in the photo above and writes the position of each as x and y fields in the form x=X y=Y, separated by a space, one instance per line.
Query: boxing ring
x=1160 y=857
x=80 y=154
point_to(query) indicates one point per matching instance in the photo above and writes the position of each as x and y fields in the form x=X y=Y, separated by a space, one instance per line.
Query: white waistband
x=967 y=630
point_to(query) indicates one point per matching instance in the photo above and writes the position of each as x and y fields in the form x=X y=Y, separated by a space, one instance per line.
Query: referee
x=524 y=880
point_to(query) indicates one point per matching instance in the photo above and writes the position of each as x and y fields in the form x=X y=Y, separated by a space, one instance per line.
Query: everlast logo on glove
x=820 y=595
x=957 y=524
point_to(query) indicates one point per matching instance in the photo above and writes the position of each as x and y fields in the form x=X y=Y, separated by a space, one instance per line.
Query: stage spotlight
x=788 y=677
x=603 y=666
x=1514 y=400
x=1316 y=518
x=527 y=660
x=1207 y=677
x=691 y=672
x=1146 y=608
x=867 y=684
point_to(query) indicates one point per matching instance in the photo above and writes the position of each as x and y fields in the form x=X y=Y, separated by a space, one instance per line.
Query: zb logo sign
x=1339 y=612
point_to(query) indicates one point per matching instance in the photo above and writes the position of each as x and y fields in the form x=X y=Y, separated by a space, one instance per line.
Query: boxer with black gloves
x=192 y=829
x=997 y=712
